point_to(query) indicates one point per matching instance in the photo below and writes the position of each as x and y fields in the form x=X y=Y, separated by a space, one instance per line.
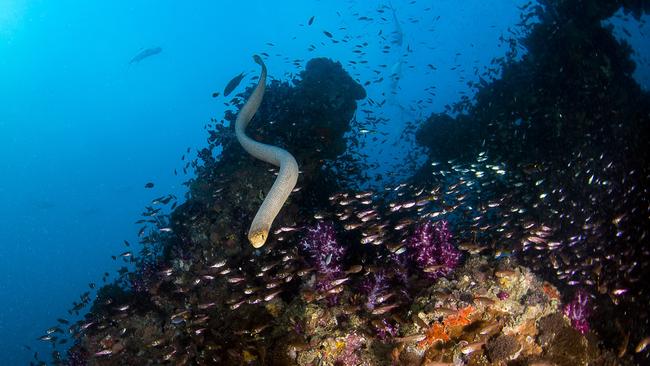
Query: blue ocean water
x=82 y=130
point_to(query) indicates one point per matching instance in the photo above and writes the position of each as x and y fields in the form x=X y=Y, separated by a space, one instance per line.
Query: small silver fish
x=105 y=352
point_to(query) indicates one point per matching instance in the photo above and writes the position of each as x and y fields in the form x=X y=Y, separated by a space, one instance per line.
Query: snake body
x=287 y=177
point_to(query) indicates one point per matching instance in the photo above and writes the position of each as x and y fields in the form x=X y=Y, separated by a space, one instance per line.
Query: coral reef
x=325 y=254
x=374 y=287
x=431 y=249
x=568 y=126
x=323 y=249
x=579 y=310
x=308 y=302
x=336 y=290
x=483 y=329
x=502 y=347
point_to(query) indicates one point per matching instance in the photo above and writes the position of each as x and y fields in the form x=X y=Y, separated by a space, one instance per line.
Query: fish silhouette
x=232 y=84
x=148 y=52
x=397 y=34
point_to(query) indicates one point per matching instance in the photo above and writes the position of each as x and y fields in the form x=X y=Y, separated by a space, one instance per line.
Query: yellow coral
x=274 y=308
x=505 y=282
x=340 y=345
x=248 y=357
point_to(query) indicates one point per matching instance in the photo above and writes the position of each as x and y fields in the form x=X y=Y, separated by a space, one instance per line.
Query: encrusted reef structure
x=519 y=243
x=572 y=91
x=570 y=127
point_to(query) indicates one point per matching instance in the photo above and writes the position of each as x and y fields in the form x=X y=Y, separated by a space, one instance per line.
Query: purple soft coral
x=579 y=310
x=431 y=249
x=324 y=252
x=386 y=330
x=323 y=249
x=373 y=287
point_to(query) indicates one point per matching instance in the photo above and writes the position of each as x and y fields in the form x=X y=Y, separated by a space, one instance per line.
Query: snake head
x=258 y=60
x=258 y=238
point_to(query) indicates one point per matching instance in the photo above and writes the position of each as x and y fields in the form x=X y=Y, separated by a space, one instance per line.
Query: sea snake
x=287 y=177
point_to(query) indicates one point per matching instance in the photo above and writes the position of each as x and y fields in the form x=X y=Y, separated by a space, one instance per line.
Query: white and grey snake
x=287 y=177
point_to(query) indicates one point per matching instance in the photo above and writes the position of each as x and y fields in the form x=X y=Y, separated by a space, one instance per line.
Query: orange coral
x=460 y=318
x=436 y=332
x=551 y=291
x=440 y=331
